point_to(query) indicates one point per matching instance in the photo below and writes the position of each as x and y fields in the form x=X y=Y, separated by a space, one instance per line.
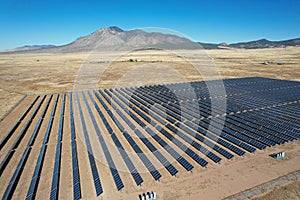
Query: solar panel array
x=57 y=161
x=172 y=127
x=75 y=166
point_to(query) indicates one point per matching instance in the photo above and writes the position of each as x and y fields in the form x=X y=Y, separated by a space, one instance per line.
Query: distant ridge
x=28 y=48
x=263 y=43
x=114 y=38
x=257 y=44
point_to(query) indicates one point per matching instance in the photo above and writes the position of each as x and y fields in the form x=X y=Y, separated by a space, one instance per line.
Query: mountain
x=114 y=38
x=257 y=44
x=209 y=45
x=28 y=48
x=263 y=43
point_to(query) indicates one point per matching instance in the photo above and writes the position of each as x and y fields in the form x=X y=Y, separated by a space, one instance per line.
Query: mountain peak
x=114 y=38
x=115 y=28
x=263 y=40
x=111 y=29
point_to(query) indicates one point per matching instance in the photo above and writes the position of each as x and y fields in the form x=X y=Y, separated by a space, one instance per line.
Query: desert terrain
x=24 y=75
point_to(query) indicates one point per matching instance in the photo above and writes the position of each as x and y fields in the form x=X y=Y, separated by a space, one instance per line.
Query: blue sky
x=59 y=22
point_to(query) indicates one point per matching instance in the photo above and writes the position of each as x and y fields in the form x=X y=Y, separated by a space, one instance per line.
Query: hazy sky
x=59 y=22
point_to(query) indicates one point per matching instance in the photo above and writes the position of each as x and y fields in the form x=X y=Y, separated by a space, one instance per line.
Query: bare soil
x=34 y=74
x=288 y=191
x=26 y=73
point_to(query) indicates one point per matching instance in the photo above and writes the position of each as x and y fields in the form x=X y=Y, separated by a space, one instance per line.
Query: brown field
x=288 y=191
x=26 y=74
x=23 y=74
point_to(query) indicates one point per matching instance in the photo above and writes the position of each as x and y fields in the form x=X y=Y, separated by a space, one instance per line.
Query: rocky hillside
x=114 y=38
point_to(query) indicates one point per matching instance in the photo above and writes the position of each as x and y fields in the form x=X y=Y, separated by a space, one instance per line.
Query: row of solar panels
x=189 y=131
x=255 y=83
x=16 y=143
x=226 y=136
x=178 y=143
x=96 y=178
x=246 y=103
x=273 y=112
x=188 y=151
x=76 y=180
x=75 y=166
x=261 y=146
x=18 y=122
x=246 y=138
x=201 y=84
x=156 y=175
x=172 y=170
x=189 y=113
x=57 y=161
x=256 y=129
x=174 y=140
x=189 y=90
x=268 y=122
x=151 y=109
x=251 y=99
x=20 y=166
x=38 y=167
x=136 y=176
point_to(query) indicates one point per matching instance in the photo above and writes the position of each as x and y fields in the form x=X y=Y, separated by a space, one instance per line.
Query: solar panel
x=13 y=182
x=76 y=190
x=115 y=174
x=202 y=149
x=55 y=177
x=193 y=155
x=61 y=120
x=265 y=138
x=127 y=121
x=38 y=167
x=183 y=147
x=156 y=175
x=172 y=170
x=35 y=178
x=272 y=129
x=116 y=177
x=146 y=118
x=261 y=130
x=260 y=112
x=219 y=140
x=96 y=179
x=138 y=179
x=16 y=176
x=20 y=137
x=75 y=167
x=16 y=125
x=215 y=158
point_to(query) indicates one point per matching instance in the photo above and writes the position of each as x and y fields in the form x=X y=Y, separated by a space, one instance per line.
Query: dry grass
x=47 y=73
x=289 y=191
x=241 y=63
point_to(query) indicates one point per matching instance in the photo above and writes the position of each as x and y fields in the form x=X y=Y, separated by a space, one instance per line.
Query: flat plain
x=25 y=74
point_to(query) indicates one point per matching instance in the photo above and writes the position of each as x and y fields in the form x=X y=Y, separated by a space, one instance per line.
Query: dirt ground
x=228 y=178
x=289 y=191
x=23 y=74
